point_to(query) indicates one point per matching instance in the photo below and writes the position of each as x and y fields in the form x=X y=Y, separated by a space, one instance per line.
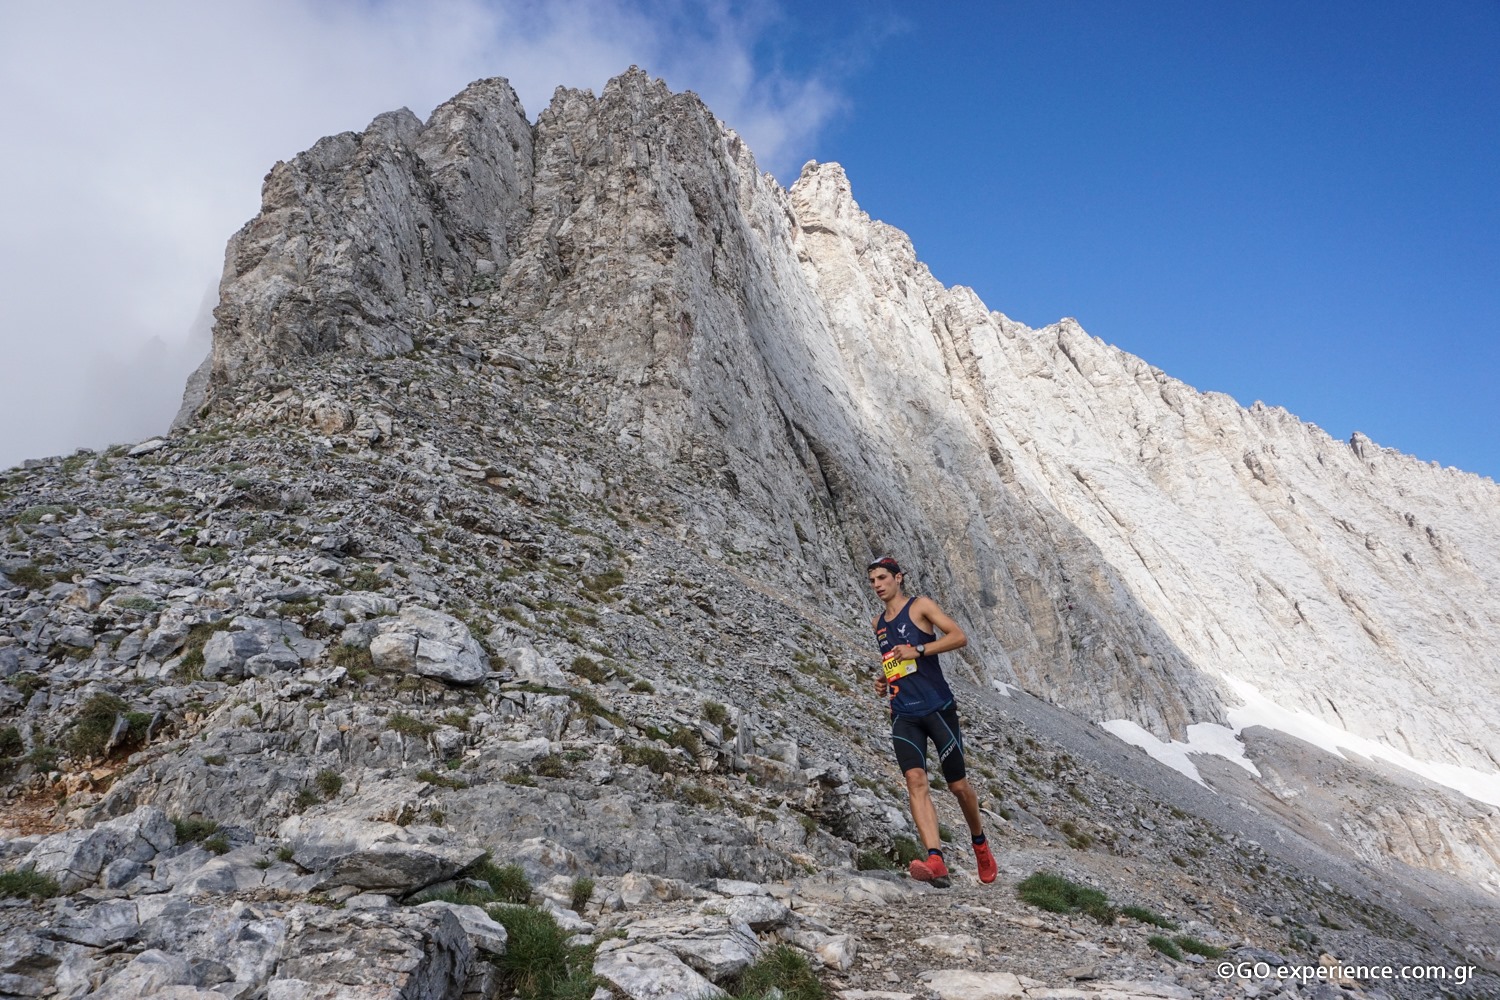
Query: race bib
x=896 y=669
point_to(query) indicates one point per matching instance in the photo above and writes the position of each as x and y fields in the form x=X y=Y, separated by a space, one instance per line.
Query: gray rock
x=541 y=859
x=258 y=646
x=398 y=869
x=150 y=972
x=644 y=971
x=530 y=665
x=392 y=954
x=106 y=923
x=958 y=984
x=485 y=933
x=432 y=644
x=365 y=604
x=761 y=913
x=75 y=858
x=716 y=946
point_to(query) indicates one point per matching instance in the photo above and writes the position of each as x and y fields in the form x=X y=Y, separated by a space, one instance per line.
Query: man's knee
x=961 y=787
x=916 y=781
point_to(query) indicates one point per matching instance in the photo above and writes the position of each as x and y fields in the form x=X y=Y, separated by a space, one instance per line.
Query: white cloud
x=138 y=135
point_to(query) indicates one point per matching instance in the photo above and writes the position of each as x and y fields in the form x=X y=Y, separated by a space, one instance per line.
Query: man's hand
x=881 y=684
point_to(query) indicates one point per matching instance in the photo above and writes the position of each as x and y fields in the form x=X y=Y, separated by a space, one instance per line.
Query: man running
x=921 y=709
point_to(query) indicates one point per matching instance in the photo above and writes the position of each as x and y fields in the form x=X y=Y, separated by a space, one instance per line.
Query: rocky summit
x=492 y=621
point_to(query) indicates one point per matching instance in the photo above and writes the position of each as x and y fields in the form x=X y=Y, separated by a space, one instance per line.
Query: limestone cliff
x=1119 y=541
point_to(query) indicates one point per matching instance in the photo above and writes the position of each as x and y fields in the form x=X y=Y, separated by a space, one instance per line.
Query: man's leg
x=910 y=743
x=923 y=812
x=956 y=773
x=968 y=801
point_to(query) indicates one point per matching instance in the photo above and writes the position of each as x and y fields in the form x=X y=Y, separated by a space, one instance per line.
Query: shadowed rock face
x=365 y=234
x=1120 y=541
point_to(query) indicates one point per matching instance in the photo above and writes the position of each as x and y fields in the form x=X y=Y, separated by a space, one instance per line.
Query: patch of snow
x=1169 y=752
x=1003 y=687
x=1203 y=738
x=1258 y=710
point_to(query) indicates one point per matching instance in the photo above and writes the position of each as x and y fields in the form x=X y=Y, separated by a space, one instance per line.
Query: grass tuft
x=30 y=577
x=784 y=972
x=27 y=883
x=589 y=668
x=442 y=780
x=1166 y=946
x=407 y=725
x=654 y=758
x=89 y=733
x=1060 y=895
x=1192 y=944
x=538 y=963
x=583 y=891
x=193 y=828
x=907 y=851
x=1146 y=916
x=507 y=882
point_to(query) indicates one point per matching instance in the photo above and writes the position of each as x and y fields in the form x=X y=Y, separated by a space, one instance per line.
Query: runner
x=922 y=708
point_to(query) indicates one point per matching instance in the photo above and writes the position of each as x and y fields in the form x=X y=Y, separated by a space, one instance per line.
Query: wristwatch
x=921 y=648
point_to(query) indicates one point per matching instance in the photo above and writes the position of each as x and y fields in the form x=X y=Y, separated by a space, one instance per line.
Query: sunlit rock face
x=1115 y=540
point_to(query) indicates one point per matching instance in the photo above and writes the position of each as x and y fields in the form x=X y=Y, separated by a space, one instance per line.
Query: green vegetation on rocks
x=30 y=577
x=1146 y=916
x=583 y=891
x=1060 y=895
x=782 y=972
x=193 y=828
x=26 y=883
x=538 y=963
x=93 y=728
x=407 y=725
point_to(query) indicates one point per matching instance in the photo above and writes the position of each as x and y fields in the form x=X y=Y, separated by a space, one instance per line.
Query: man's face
x=884 y=583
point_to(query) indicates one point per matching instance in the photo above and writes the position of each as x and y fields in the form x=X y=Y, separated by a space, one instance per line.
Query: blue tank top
x=925 y=691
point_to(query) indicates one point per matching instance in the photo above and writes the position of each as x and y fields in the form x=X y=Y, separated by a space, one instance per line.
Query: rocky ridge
x=515 y=514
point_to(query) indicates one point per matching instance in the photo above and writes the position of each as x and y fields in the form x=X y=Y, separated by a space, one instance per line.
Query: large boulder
x=388 y=954
x=716 y=946
x=374 y=856
x=527 y=663
x=484 y=932
x=645 y=971
x=257 y=646
x=432 y=644
x=76 y=857
x=398 y=869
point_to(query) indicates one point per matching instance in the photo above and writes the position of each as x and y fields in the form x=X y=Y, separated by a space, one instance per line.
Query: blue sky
x=1289 y=202
x=1293 y=203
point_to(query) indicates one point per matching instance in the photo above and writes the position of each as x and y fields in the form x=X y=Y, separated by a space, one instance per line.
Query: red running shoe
x=987 y=867
x=932 y=870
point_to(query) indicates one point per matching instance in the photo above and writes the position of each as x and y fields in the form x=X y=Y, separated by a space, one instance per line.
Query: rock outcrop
x=1121 y=540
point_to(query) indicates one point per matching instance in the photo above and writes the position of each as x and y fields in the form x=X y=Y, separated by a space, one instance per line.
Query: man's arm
x=952 y=637
x=880 y=681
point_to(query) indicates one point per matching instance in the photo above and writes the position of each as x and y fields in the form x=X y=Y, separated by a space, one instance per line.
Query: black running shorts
x=909 y=736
